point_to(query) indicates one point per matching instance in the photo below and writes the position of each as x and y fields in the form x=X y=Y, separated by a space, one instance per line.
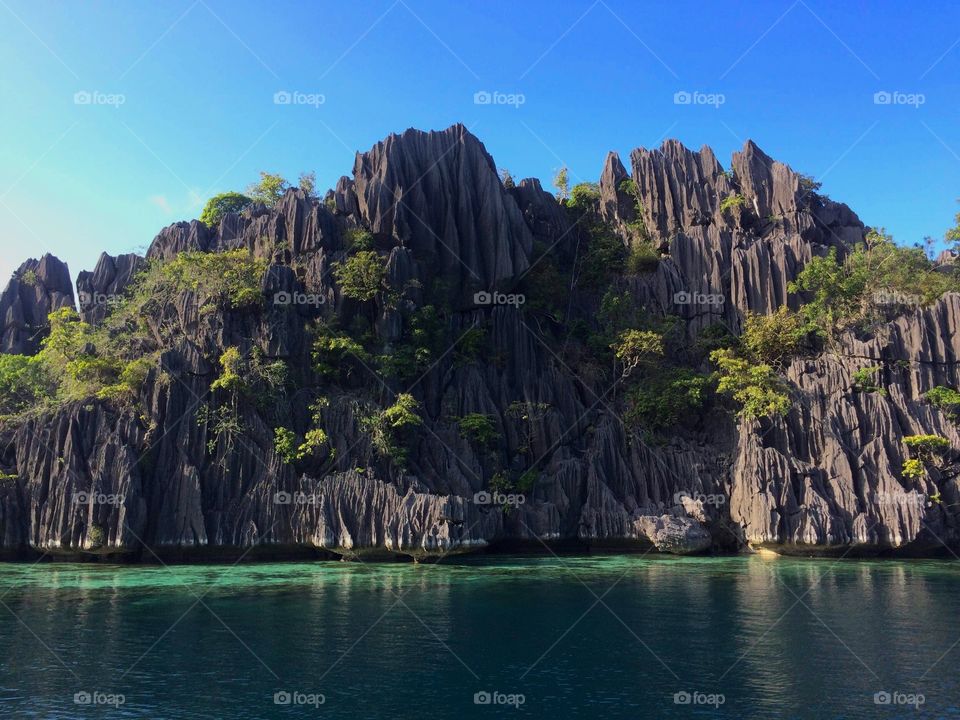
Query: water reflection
x=382 y=640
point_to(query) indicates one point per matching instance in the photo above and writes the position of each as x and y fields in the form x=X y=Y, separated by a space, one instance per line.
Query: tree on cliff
x=220 y=205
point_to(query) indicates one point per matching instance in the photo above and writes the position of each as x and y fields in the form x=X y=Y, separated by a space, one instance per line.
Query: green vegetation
x=732 y=201
x=478 y=428
x=561 y=182
x=953 y=234
x=864 y=380
x=285 y=444
x=775 y=338
x=947 y=399
x=308 y=183
x=336 y=354
x=24 y=383
x=668 y=399
x=220 y=205
x=757 y=388
x=925 y=451
x=361 y=276
x=28 y=277
x=584 y=196
x=637 y=349
x=507 y=179
x=853 y=294
x=390 y=429
x=358 y=238
x=269 y=190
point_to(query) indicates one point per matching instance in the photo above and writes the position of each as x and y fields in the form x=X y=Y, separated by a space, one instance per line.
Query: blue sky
x=197 y=81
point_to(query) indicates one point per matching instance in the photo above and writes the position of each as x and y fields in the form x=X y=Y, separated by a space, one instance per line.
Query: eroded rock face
x=97 y=290
x=37 y=288
x=824 y=478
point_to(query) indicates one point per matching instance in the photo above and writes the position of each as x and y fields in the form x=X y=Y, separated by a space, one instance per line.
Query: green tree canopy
x=220 y=205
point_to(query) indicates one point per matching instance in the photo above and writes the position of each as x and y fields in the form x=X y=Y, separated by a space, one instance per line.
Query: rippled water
x=595 y=636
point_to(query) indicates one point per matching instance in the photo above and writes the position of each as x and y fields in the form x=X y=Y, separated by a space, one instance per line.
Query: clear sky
x=181 y=99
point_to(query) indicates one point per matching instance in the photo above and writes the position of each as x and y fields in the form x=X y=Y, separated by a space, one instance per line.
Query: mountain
x=420 y=363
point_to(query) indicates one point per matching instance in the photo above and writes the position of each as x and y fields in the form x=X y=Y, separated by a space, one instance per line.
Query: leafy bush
x=308 y=183
x=585 y=196
x=285 y=444
x=643 y=258
x=667 y=399
x=228 y=279
x=947 y=399
x=269 y=190
x=756 y=387
x=732 y=201
x=925 y=450
x=638 y=348
x=479 y=428
x=361 y=276
x=220 y=205
x=24 y=383
x=561 y=182
x=390 y=428
x=844 y=295
x=358 y=238
x=336 y=354
x=231 y=364
x=863 y=380
x=773 y=338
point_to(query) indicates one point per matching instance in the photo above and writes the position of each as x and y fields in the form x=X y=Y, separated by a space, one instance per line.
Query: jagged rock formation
x=37 y=288
x=817 y=480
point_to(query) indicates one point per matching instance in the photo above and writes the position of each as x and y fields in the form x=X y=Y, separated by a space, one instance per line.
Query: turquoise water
x=353 y=640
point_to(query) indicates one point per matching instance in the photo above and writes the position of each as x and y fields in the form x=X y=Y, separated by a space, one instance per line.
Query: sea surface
x=597 y=636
